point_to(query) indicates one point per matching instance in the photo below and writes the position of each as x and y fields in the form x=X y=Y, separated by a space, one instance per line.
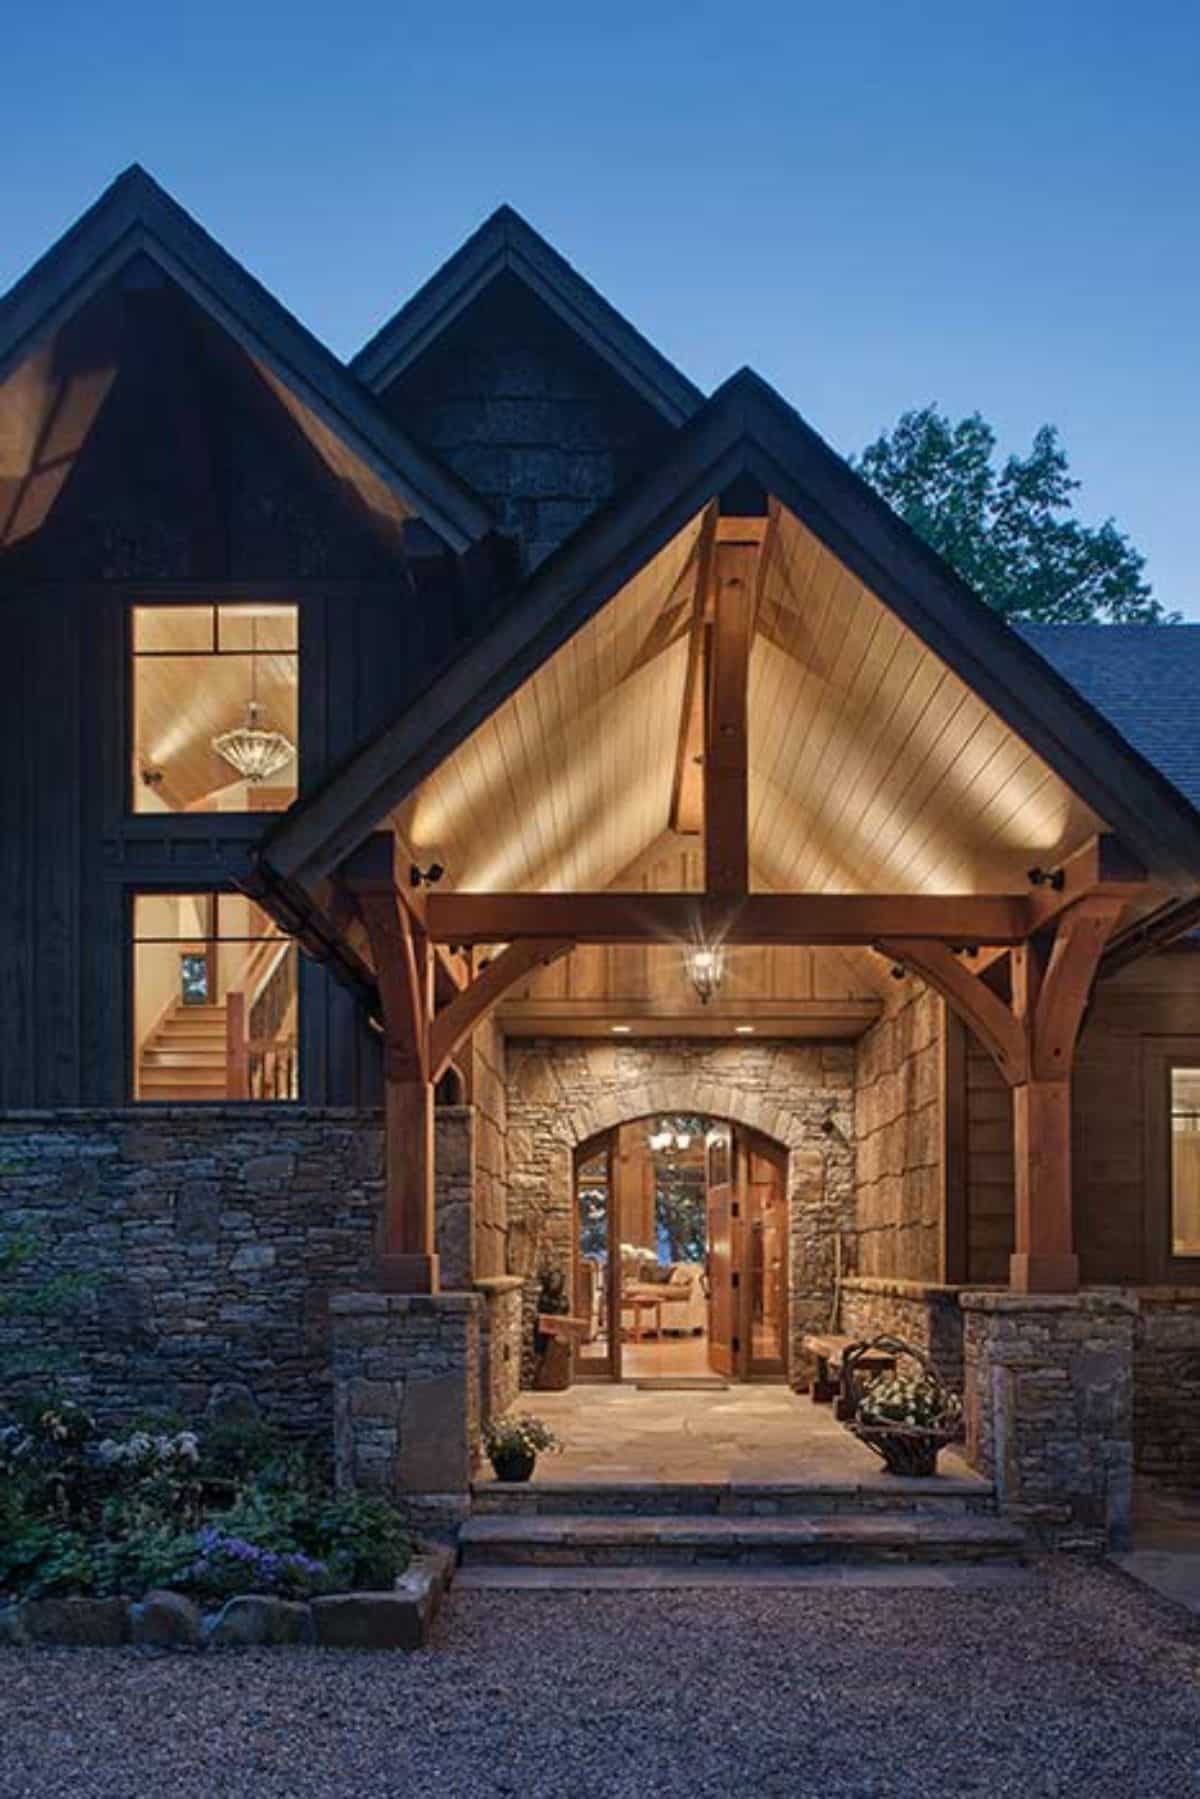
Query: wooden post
x=404 y=969
x=726 y=800
x=1044 y=1260
x=237 y=1063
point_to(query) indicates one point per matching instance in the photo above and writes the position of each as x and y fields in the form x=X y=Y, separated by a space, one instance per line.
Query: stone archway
x=561 y=1093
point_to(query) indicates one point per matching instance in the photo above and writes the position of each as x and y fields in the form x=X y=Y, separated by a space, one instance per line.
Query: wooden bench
x=827 y=1351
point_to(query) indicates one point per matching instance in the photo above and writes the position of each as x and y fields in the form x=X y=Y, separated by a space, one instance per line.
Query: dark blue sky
x=874 y=205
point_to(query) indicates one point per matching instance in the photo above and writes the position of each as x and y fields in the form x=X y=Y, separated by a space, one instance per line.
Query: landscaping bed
x=218 y=1536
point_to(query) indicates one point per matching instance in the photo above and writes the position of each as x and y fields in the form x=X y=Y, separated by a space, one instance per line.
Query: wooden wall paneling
x=954 y=1198
x=54 y=738
x=18 y=836
x=105 y=966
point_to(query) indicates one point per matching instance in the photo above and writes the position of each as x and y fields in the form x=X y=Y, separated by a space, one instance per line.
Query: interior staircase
x=569 y=1535
x=185 y=1058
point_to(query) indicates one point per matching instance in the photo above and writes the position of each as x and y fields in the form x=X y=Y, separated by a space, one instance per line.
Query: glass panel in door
x=597 y=1352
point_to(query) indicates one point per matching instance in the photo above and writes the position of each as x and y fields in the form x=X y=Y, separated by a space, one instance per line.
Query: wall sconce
x=705 y=968
x=425 y=877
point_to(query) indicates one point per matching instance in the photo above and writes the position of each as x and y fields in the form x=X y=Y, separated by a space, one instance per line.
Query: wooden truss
x=1017 y=968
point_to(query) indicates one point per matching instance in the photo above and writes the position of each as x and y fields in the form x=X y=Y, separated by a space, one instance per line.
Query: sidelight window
x=1185 y=1161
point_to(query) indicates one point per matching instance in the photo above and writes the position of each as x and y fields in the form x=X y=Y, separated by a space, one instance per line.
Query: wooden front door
x=763 y=1262
x=724 y=1344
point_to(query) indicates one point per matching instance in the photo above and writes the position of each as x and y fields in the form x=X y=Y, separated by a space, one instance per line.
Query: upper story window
x=1185 y=1161
x=215 y=708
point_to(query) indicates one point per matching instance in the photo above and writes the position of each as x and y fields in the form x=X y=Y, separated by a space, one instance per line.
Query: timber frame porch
x=1016 y=966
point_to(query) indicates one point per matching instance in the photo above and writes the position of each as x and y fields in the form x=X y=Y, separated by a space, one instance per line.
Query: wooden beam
x=1066 y=985
x=1102 y=865
x=770 y=918
x=726 y=790
x=687 y=788
x=1001 y=1034
x=455 y=1022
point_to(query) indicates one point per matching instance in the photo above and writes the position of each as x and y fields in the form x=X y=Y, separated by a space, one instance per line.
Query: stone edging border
x=400 y=1619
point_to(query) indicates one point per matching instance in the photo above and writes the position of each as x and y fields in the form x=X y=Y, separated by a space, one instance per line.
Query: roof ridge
x=506 y=241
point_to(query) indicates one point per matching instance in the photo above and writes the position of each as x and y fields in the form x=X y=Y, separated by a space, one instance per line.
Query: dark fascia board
x=746 y=428
x=135 y=216
x=503 y=242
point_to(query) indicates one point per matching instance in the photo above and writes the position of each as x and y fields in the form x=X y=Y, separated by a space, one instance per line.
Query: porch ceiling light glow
x=705 y=968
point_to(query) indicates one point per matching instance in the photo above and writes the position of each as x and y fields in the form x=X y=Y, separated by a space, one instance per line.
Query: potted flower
x=513 y=1445
x=906 y=1418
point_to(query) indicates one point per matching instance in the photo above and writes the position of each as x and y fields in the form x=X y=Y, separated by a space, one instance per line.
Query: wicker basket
x=907 y=1449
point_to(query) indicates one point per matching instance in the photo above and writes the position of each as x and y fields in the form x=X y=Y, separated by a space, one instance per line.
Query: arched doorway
x=680 y=1251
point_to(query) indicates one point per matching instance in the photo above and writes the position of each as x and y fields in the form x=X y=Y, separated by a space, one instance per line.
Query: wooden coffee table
x=639 y=1304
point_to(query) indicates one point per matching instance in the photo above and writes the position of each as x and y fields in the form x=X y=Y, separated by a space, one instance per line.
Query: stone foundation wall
x=1049 y=1410
x=561 y=1092
x=406 y=1397
x=1166 y=1384
x=922 y=1313
x=898 y=1125
x=208 y=1241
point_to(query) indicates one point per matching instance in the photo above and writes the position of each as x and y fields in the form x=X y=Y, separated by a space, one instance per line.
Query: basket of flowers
x=513 y=1445
x=907 y=1418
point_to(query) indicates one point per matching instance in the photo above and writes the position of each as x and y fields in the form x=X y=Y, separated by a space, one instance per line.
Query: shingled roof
x=1144 y=679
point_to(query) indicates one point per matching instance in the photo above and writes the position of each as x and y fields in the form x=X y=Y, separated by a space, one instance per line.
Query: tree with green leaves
x=1009 y=529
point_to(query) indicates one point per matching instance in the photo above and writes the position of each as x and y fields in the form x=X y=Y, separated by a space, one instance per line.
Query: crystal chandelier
x=255 y=753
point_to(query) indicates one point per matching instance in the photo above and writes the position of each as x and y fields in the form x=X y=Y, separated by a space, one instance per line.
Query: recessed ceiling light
x=743 y=1030
x=621 y=1030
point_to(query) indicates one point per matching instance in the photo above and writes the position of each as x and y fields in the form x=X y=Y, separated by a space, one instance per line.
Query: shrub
x=227 y=1565
x=362 y=1540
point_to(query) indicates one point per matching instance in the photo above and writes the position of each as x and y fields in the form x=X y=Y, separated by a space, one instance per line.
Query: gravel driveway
x=1080 y=1684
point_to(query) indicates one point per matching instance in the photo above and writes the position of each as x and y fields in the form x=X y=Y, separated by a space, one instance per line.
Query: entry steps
x=516 y=1536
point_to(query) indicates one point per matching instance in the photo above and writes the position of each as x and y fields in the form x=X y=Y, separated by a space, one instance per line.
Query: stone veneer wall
x=921 y=1313
x=406 y=1402
x=487 y=1094
x=210 y=1240
x=560 y=1092
x=1049 y=1410
x=898 y=1125
x=1166 y=1384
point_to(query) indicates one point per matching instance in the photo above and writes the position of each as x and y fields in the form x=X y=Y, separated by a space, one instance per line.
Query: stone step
x=549 y=1541
x=942 y=1496
x=645 y=1577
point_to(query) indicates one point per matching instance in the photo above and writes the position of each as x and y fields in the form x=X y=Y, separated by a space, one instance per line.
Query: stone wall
x=920 y=1312
x=406 y=1397
x=486 y=1060
x=500 y=1344
x=898 y=1125
x=1049 y=1410
x=1166 y=1376
x=208 y=1241
x=561 y=1092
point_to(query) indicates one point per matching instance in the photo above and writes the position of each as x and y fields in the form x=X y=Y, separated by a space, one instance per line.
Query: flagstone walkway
x=743 y=1436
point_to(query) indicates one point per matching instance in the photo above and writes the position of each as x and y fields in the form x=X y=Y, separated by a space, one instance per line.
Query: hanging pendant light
x=255 y=753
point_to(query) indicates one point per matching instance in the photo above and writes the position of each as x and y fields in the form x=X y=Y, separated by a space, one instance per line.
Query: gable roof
x=505 y=242
x=1145 y=679
x=136 y=217
x=747 y=431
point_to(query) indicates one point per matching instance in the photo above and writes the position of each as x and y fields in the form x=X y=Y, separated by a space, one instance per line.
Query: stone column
x=1049 y=1410
x=454 y=1193
x=406 y=1397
